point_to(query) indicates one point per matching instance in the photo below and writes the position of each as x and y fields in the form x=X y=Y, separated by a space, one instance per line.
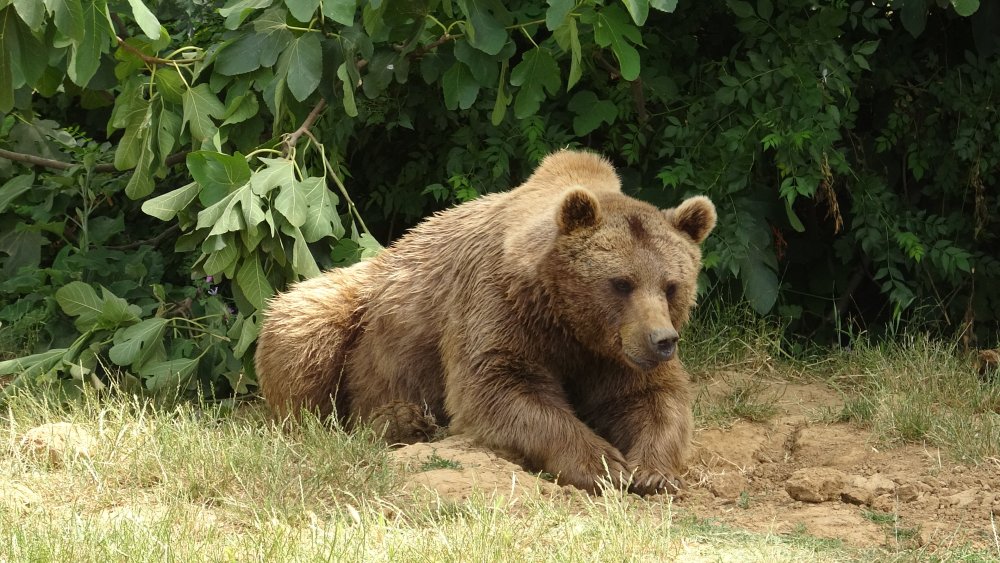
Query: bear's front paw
x=652 y=482
x=593 y=470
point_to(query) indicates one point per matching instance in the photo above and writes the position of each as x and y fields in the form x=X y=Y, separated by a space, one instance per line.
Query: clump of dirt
x=793 y=473
x=455 y=468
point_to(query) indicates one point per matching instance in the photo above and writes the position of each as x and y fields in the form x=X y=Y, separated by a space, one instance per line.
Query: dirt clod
x=57 y=442
x=816 y=484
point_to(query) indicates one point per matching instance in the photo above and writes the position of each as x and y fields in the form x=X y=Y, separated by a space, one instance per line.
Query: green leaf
x=169 y=85
x=253 y=282
x=23 y=248
x=302 y=10
x=116 y=311
x=77 y=299
x=135 y=344
x=740 y=8
x=568 y=38
x=965 y=8
x=913 y=14
x=303 y=64
x=760 y=285
x=166 y=206
x=613 y=29
x=85 y=56
x=369 y=246
x=248 y=334
x=291 y=202
x=168 y=131
x=200 y=106
x=218 y=174
x=663 y=5
x=483 y=66
x=169 y=375
x=148 y=23
x=140 y=184
x=241 y=56
x=212 y=214
x=765 y=9
x=484 y=31
x=221 y=216
x=277 y=172
x=556 y=13
x=638 y=9
x=68 y=17
x=243 y=108
x=503 y=99
x=793 y=219
x=139 y=118
x=253 y=214
x=13 y=188
x=8 y=49
x=47 y=359
x=536 y=72
x=302 y=259
x=321 y=219
x=349 y=105
x=221 y=259
x=32 y=13
x=276 y=35
x=236 y=10
x=340 y=11
x=460 y=87
x=591 y=112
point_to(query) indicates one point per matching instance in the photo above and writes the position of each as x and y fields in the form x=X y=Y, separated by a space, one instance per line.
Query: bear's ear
x=694 y=217
x=579 y=210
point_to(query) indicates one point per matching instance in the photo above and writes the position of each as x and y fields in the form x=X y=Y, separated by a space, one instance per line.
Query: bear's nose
x=664 y=342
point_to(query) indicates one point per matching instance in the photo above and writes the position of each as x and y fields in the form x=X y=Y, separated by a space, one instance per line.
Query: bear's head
x=624 y=273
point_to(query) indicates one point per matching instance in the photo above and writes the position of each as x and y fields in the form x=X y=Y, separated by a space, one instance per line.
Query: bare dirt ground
x=794 y=473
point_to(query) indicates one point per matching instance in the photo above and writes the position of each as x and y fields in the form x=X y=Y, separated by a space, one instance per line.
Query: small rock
x=879 y=485
x=884 y=503
x=962 y=499
x=907 y=493
x=56 y=442
x=856 y=495
x=727 y=485
x=817 y=484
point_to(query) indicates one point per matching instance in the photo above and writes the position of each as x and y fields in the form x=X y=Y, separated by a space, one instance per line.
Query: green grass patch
x=920 y=390
x=437 y=462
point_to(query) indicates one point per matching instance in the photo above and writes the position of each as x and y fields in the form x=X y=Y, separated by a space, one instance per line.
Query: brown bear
x=543 y=321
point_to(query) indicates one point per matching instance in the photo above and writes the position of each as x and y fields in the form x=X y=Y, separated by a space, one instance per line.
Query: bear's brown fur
x=542 y=321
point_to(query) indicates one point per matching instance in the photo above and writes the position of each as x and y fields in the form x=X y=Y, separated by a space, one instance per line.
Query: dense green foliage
x=167 y=164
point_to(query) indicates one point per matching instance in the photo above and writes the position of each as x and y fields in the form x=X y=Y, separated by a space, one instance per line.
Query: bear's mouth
x=643 y=364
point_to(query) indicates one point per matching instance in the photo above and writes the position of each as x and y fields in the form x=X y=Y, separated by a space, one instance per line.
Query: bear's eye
x=622 y=285
x=671 y=290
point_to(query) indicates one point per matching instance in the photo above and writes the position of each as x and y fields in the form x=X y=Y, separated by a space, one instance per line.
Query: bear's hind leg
x=402 y=422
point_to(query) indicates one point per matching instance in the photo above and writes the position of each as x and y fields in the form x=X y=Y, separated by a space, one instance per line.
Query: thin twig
x=149 y=60
x=35 y=160
x=292 y=138
x=60 y=165
x=423 y=50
